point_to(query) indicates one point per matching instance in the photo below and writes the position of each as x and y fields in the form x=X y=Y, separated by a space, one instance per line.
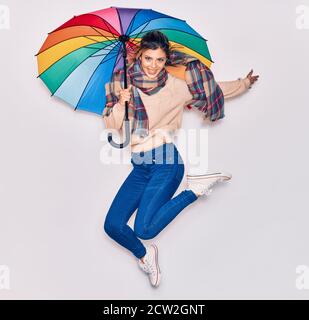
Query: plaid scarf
x=207 y=96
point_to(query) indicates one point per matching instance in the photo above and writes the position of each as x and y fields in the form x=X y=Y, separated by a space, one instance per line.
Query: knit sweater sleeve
x=234 y=88
x=115 y=119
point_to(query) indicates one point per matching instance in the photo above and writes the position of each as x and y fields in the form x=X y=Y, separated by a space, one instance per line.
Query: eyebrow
x=151 y=57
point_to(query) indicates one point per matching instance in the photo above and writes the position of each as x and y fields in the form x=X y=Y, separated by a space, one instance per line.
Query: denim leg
x=157 y=207
x=123 y=206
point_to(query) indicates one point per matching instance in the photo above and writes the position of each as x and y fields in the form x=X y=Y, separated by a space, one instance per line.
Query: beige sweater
x=165 y=111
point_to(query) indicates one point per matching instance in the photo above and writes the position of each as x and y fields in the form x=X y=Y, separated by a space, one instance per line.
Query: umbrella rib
x=108 y=26
x=120 y=22
x=99 y=48
x=90 y=80
x=114 y=64
x=198 y=36
x=99 y=55
x=193 y=35
x=79 y=36
x=95 y=29
x=132 y=21
x=173 y=30
x=112 y=56
x=70 y=53
x=117 y=60
x=166 y=17
x=87 y=37
x=141 y=30
x=106 y=23
x=192 y=50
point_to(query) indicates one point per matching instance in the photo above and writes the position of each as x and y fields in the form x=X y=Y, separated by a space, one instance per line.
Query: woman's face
x=153 y=61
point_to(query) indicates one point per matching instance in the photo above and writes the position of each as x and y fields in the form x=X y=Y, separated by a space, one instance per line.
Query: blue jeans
x=149 y=187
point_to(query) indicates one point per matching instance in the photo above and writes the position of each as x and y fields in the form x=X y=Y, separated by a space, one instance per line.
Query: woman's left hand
x=251 y=77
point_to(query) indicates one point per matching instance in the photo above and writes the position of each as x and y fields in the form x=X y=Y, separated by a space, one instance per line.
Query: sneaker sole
x=225 y=175
x=157 y=265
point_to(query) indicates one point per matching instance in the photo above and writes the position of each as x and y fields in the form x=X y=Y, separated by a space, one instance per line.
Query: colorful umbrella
x=78 y=58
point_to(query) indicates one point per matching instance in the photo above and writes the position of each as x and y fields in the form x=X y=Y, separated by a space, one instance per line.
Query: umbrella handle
x=126 y=142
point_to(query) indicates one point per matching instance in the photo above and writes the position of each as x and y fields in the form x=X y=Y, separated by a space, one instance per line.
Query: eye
x=148 y=58
x=161 y=59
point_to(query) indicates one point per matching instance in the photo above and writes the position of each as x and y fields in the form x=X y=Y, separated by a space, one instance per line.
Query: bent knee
x=111 y=228
x=143 y=233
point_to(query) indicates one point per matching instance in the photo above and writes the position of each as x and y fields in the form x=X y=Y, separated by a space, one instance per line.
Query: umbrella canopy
x=78 y=58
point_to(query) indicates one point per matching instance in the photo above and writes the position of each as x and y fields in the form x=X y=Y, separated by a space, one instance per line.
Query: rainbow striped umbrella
x=78 y=58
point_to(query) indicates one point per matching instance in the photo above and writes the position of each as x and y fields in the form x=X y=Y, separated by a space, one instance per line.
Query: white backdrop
x=244 y=241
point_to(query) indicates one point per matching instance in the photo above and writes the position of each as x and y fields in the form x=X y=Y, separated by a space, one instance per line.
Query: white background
x=244 y=241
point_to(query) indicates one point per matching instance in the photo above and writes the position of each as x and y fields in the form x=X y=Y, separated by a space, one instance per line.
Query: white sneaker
x=151 y=265
x=203 y=183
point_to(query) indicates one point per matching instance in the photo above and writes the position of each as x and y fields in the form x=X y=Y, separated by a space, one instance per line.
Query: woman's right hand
x=125 y=95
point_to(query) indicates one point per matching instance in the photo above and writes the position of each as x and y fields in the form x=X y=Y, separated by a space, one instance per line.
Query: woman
x=156 y=101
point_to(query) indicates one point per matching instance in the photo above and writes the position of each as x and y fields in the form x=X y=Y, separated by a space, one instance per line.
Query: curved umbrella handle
x=126 y=142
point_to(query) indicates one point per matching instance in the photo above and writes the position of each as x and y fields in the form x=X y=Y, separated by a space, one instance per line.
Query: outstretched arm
x=236 y=87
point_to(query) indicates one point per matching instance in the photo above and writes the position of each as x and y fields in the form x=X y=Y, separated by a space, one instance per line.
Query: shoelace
x=149 y=267
x=144 y=266
x=209 y=188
